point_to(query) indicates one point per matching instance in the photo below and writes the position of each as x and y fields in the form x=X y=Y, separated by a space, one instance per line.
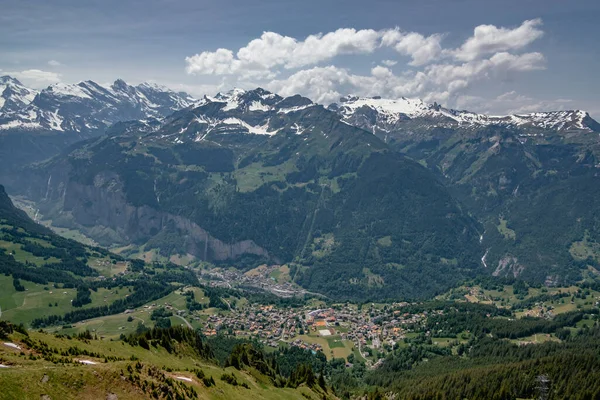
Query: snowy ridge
x=384 y=114
x=392 y=109
x=69 y=91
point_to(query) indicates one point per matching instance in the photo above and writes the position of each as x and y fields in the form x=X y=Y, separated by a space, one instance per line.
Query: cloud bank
x=423 y=67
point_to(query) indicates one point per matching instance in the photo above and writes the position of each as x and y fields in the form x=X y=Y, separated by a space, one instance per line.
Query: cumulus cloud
x=421 y=49
x=54 y=63
x=220 y=62
x=272 y=50
x=36 y=78
x=261 y=55
x=437 y=82
x=488 y=39
x=307 y=66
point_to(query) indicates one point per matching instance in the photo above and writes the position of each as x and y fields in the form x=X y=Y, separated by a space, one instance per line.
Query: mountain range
x=36 y=125
x=368 y=198
x=385 y=115
x=85 y=108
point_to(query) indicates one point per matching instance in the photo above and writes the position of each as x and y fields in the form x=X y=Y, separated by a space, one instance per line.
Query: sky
x=489 y=56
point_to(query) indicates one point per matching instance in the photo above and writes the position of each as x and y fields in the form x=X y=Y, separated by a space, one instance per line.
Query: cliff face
x=101 y=212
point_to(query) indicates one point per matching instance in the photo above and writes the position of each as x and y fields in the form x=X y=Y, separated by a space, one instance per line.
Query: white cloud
x=271 y=50
x=499 y=65
x=437 y=82
x=288 y=66
x=488 y=39
x=421 y=49
x=262 y=55
x=322 y=84
x=54 y=63
x=220 y=62
x=36 y=78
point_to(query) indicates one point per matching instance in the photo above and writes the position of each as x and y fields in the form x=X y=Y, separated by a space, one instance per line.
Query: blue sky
x=488 y=56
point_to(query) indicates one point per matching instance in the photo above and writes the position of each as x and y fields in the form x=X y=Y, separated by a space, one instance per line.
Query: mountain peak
x=14 y=95
x=120 y=84
x=257 y=99
x=7 y=79
x=230 y=94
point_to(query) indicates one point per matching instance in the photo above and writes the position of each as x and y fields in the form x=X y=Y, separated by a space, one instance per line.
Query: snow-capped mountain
x=235 y=112
x=260 y=112
x=385 y=115
x=87 y=107
x=14 y=95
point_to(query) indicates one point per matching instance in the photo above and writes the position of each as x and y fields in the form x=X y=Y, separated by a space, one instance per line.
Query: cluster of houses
x=369 y=327
x=267 y=323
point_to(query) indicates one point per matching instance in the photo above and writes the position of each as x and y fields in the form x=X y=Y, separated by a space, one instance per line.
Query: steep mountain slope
x=530 y=179
x=33 y=252
x=36 y=126
x=248 y=176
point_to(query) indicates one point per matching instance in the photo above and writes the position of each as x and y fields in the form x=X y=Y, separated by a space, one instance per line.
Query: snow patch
x=86 y=362
x=55 y=121
x=299 y=129
x=12 y=345
x=184 y=378
x=258 y=106
x=257 y=130
x=293 y=109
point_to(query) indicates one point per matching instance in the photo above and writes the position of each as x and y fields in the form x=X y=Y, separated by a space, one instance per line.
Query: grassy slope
x=23 y=307
x=24 y=379
x=113 y=326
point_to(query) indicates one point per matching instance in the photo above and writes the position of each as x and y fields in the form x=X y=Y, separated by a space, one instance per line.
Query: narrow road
x=184 y=320
x=228 y=305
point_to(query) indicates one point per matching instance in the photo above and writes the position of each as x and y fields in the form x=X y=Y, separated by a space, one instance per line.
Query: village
x=367 y=333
